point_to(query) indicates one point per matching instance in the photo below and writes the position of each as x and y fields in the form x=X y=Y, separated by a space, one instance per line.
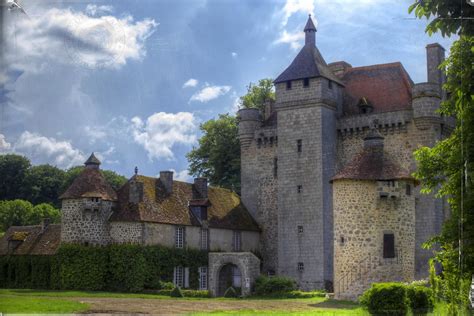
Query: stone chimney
x=268 y=109
x=434 y=57
x=166 y=178
x=374 y=140
x=45 y=223
x=200 y=188
x=339 y=68
x=135 y=192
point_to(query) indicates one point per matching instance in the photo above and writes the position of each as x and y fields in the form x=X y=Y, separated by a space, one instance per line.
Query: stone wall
x=85 y=221
x=361 y=218
x=126 y=232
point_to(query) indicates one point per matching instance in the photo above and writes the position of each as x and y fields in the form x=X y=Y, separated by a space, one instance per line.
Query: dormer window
x=365 y=107
x=288 y=85
x=306 y=82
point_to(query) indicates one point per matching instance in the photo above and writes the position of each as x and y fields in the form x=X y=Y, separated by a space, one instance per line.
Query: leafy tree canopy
x=13 y=169
x=258 y=94
x=20 y=212
x=448 y=16
x=218 y=155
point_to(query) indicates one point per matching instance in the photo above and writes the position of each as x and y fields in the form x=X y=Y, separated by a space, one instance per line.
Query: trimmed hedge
x=420 y=298
x=386 y=299
x=271 y=286
x=125 y=268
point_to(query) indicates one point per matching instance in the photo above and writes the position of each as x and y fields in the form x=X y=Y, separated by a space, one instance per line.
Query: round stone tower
x=426 y=99
x=249 y=121
x=87 y=206
x=374 y=221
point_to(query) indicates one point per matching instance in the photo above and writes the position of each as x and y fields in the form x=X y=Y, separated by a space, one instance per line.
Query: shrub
x=166 y=285
x=386 y=299
x=420 y=299
x=230 y=292
x=127 y=268
x=176 y=292
x=265 y=286
x=195 y=293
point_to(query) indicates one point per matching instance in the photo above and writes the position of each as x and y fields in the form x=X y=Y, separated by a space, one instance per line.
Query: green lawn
x=29 y=305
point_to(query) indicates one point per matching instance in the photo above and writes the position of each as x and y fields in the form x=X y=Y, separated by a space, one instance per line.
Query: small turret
x=249 y=121
x=92 y=162
x=310 y=32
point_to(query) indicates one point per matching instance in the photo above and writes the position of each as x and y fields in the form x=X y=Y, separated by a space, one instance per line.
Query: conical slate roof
x=92 y=160
x=307 y=64
x=310 y=25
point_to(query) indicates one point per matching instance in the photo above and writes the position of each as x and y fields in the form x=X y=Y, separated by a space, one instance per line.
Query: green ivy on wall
x=125 y=267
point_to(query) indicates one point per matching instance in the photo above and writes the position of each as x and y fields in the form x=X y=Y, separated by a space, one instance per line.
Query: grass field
x=35 y=301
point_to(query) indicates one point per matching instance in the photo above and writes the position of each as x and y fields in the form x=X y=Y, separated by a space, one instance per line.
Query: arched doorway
x=237 y=269
x=229 y=276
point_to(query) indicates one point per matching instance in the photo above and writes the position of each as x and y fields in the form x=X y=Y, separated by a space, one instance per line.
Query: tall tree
x=13 y=169
x=43 y=184
x=218 y=155
x=447 y=168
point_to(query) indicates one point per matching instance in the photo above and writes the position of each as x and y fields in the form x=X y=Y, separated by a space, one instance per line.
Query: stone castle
x=327 y=193
x=326 y=171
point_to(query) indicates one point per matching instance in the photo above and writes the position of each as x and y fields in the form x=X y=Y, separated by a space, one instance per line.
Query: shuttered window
x=388 y=246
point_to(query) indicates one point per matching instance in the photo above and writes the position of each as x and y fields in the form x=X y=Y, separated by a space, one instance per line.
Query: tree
x=42 y=211
x=218 y=155
x=449 y=16
x=15 y=213
x=13 y=169
x=447 y=167
x=44 y=184
x=258 y=94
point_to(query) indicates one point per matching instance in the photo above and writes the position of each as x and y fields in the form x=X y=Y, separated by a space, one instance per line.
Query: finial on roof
x=92 y=162
x=310 y=31
x=136 y=170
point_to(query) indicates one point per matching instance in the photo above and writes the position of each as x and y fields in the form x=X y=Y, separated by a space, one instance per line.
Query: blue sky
x=132 y=80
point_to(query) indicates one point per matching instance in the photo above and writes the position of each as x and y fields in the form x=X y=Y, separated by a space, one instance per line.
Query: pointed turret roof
x=90 y=183
x=309 y=63
x=92 y=160
x=310 y=25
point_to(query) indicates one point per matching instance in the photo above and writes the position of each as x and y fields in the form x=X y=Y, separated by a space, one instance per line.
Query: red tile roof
x=90 y=183
x=387 y=87
x=225 y=210
x=33 y=241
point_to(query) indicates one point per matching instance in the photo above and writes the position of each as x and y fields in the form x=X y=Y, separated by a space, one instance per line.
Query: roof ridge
x=375 y=66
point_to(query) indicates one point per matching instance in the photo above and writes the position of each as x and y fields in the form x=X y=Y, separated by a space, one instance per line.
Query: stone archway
x=222 y=265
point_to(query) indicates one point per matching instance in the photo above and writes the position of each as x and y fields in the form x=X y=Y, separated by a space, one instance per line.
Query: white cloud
x=296 y=6
x=70 y=37
x=43 y=149
x=234 y=55
x=93 y=9
x=209 y=93
x=94 y=133
x=162 y=131
x=182 y=175
x=4 y=145
x=294 y=39
x=190 y=83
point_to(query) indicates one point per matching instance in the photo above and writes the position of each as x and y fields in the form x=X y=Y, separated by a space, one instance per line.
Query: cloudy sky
x=132 y=80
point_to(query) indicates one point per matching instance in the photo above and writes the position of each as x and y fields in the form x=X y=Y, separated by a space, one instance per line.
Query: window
x=300 y=266
x=203 y=278
x=306 y=82
x=288 y=85
x=299 y=188
x=342 y=240
x=179 y=237
x=237 y=242
x=299 y=145
x=179 y=276
x=204 y=239
x=388 y=246
x=275 y=167
x=300 y=229
x=408 y=189
x=330 y=84
x=236 y=277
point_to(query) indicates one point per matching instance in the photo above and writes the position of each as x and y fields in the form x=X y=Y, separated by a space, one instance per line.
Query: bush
x=420 y=298
x=176 y=292
x=195 y=293
x=386 y=299
x=297 y=294
x=265 y=286
x=127 y=268
x=230 y=292
x=166 y=285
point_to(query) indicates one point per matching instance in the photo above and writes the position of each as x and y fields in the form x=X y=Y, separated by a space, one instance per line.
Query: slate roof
x=387 y=87
x=309 y=25
x=33 y=240
x=92 y=160
x=90 y=183
x=309 y=63
x=225 y=210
